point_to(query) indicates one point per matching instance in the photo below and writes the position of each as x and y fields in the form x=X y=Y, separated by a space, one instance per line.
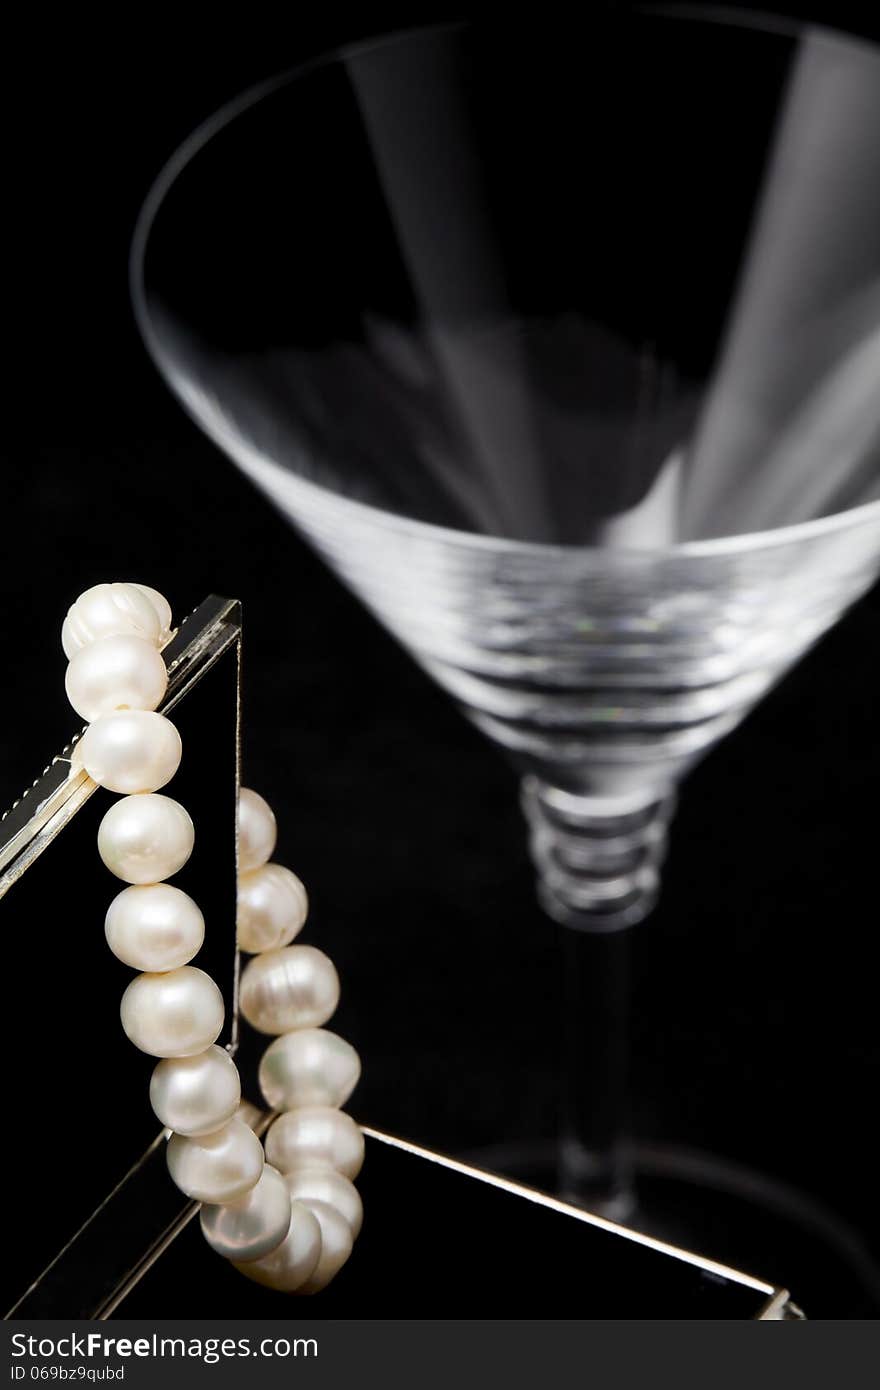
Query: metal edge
x=108 y=1306
x=588 y=1218
x=780 y=1308
x=33 y=821
x=139 y=1162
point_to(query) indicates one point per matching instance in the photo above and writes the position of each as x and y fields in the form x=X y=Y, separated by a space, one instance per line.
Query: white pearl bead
x=143 y=839
x=219 y=1167
x=296 y=987
x=198 y=1094
x=105 y=611
x=293 y=1261
x=163 y=611
x=154 y=927
x=325 y=1185
x=314 y=1137
x=272 y=908
x=173 y=1015
x=131 y=750
x=257 y=830
x=250 y=1114
x=336 y=1245
x=309 y=1067
x=254 y=1225
x=121 y=672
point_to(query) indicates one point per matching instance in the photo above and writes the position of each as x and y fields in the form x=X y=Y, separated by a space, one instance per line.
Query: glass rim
x=757 y=21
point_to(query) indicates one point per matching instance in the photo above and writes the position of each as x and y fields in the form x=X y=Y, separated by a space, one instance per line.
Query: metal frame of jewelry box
x=34 y=821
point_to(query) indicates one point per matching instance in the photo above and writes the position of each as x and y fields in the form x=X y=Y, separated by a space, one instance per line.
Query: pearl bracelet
x=286 y=1219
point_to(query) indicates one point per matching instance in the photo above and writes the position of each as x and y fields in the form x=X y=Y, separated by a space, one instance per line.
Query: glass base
x=727 y=1212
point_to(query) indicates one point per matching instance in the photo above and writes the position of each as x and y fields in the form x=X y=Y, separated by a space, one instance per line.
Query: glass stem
x=598 y=860
x=595 y=1168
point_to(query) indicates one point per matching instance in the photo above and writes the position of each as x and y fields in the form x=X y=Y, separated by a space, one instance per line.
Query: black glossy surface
x=437 y=1244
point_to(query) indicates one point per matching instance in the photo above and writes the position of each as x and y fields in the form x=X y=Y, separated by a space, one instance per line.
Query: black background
x=755 y=1024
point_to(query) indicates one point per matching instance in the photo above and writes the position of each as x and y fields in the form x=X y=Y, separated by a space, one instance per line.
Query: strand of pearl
x=307 y=1073
x=288 y=1222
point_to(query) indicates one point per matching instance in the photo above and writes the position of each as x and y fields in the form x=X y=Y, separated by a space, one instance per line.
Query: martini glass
x=564 y=355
